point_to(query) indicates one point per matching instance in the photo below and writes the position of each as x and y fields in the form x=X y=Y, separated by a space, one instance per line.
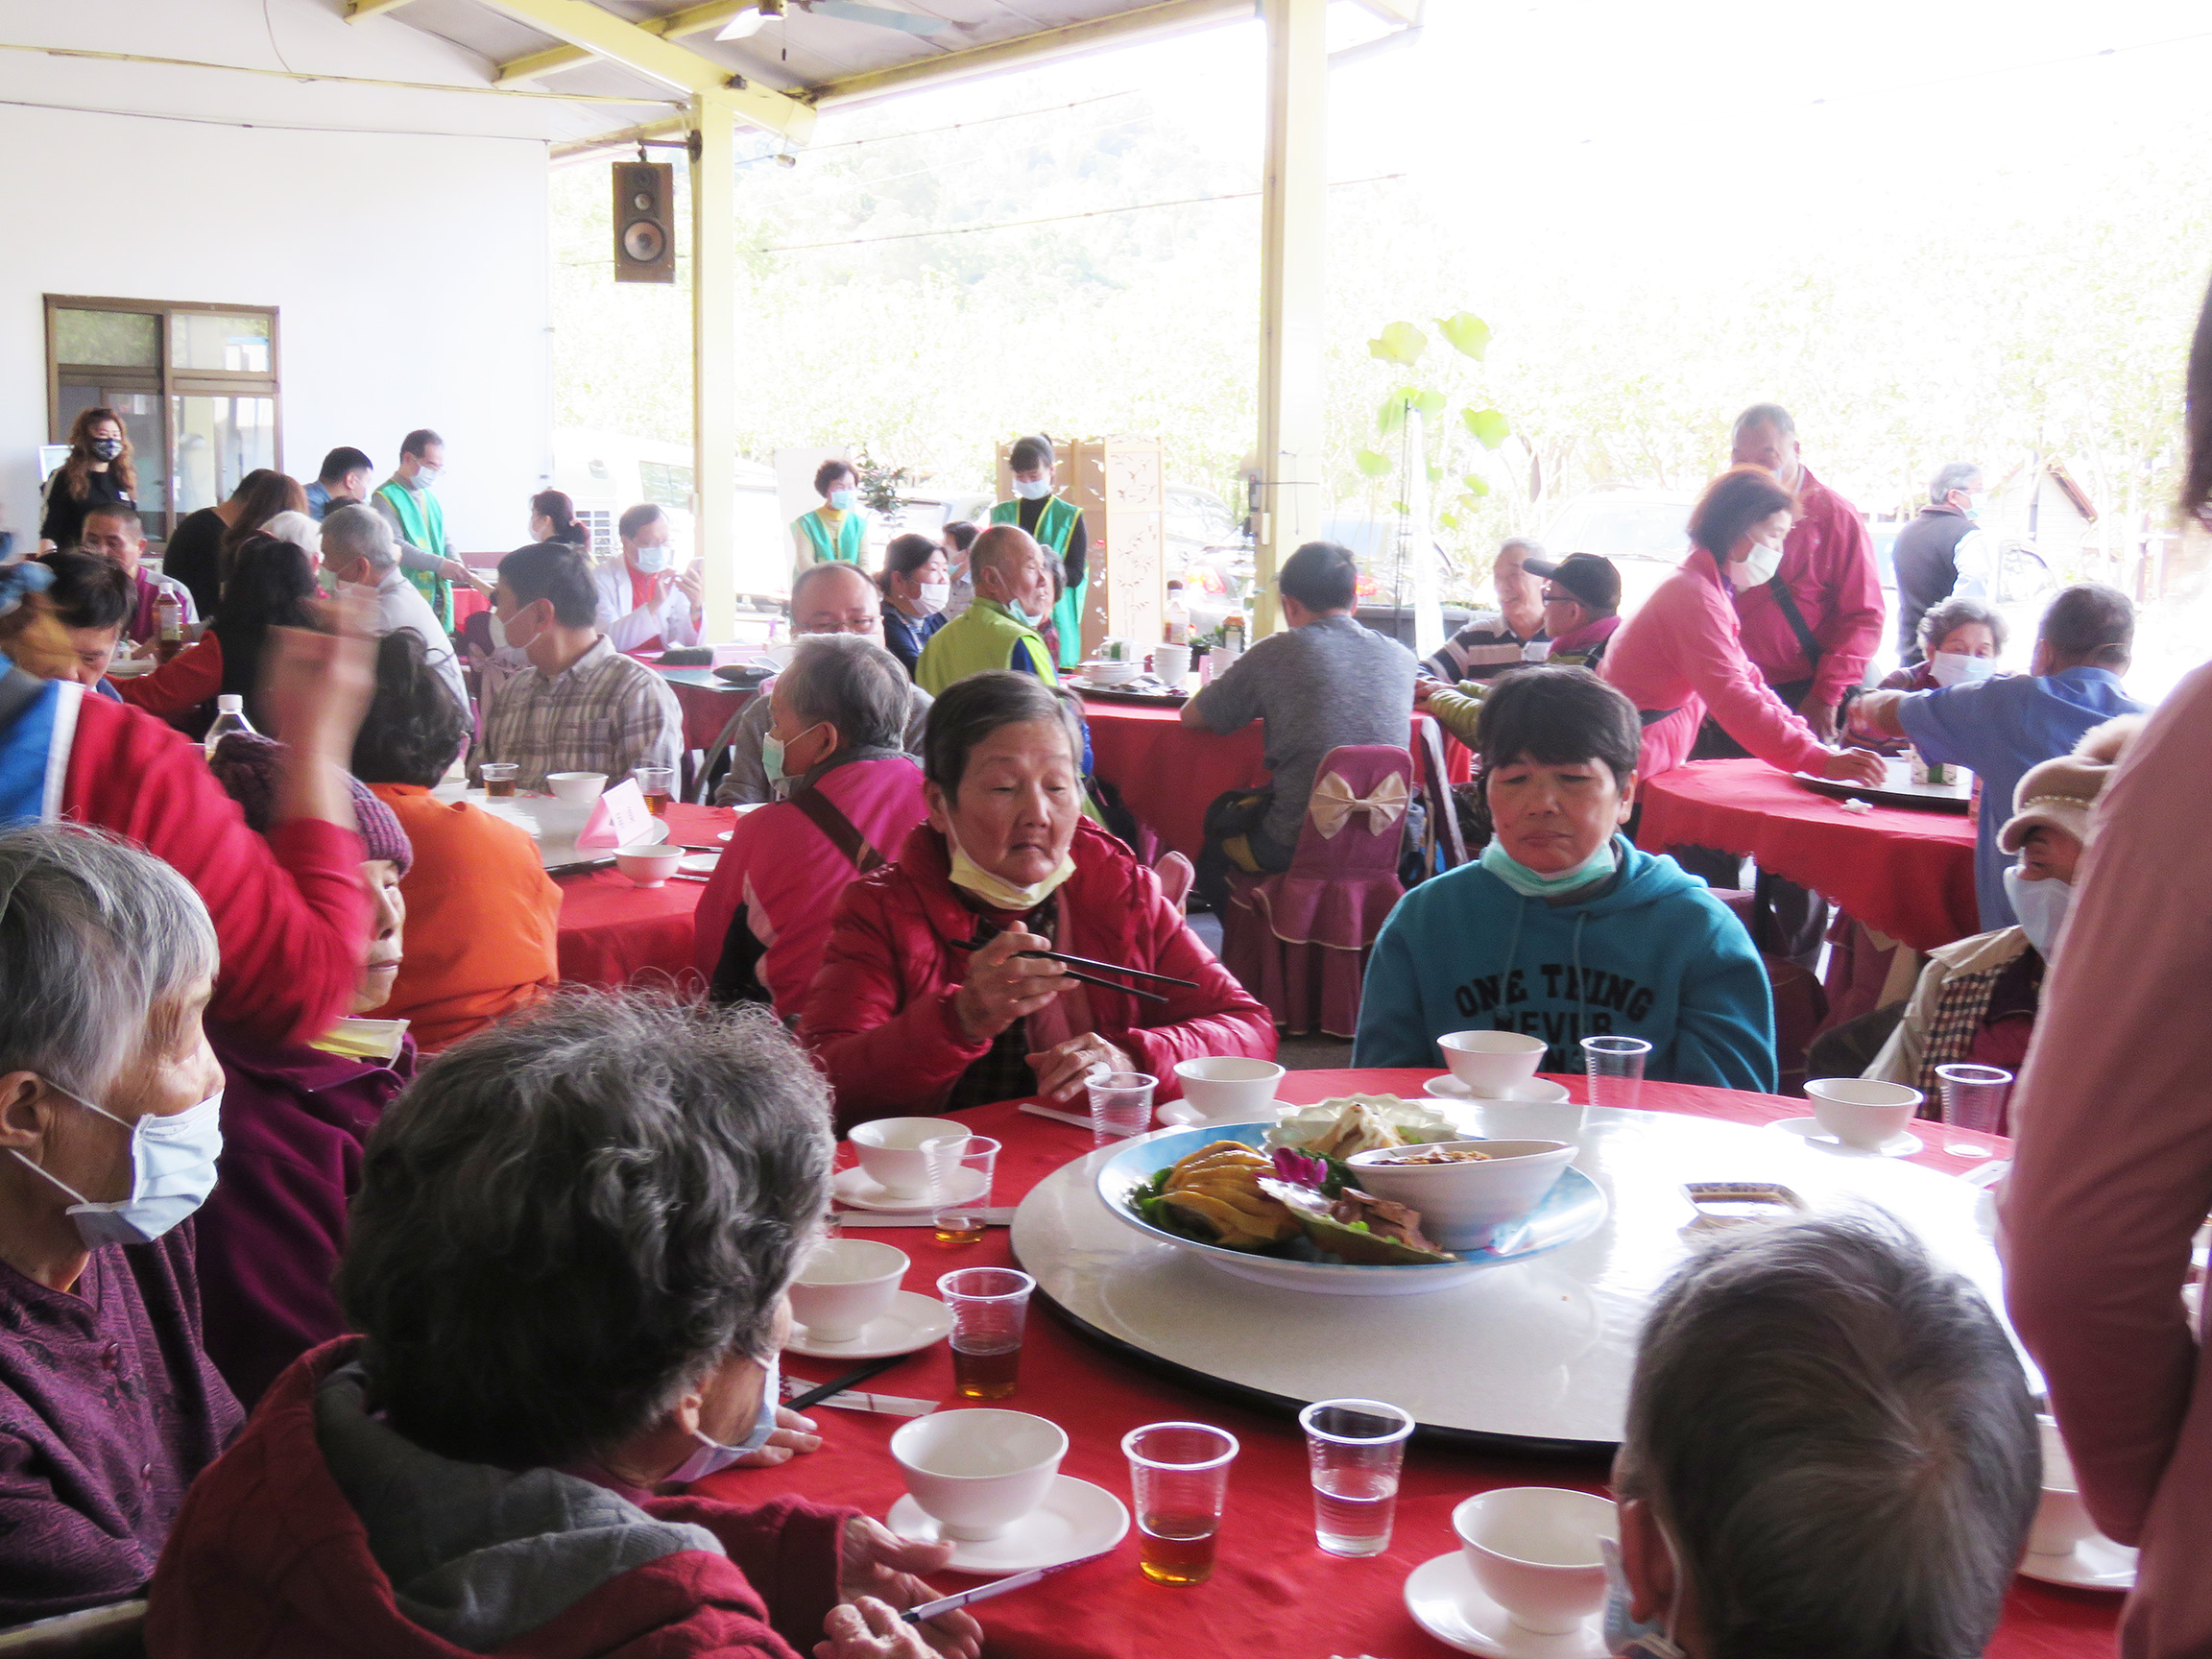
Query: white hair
x=359 y=532
x=297 y=528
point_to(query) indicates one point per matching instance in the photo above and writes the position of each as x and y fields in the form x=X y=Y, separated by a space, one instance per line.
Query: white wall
x=410 y=272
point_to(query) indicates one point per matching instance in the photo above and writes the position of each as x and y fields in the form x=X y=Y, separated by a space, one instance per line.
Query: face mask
x=1531 y=885
x=425 y=476
x=652 y=560
x=714 y=1456
x=772 y=756
x=843 y=500
x=172 y=1173
x=934 y=596
x=1974 y=502
x=996 y=891
x=1623 y=1634
x=2041 y=906
x=1033 y=488
x=501 y=638
x=106 y=449
x=328 y=584
x=1956 y=668
x=1760 y=566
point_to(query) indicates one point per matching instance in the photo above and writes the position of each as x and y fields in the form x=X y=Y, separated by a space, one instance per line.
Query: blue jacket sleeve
x=1392 y=1028
x=1724 y=1025
x=1944 y=724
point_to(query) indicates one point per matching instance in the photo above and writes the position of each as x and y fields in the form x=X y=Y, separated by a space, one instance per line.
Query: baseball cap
x=1589 y=578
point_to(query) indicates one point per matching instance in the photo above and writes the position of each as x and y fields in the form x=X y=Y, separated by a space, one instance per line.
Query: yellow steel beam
x=356 y=10
x=603 y=35
x=691 y=20
x=622 y=137
x=1163 y=17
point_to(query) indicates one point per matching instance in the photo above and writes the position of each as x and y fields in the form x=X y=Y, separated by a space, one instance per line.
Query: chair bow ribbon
x=1334 y=803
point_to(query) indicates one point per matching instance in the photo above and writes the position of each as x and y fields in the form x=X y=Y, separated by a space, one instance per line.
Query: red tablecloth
x=1274 y=1591
x=1168 y=773
x=708 y=703
x=1903 y=872
x=612 y=930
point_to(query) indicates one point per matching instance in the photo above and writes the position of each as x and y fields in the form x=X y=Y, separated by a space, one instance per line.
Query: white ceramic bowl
x=1105 y=673
x=844 y=1285
x=1860 y=1112
x=1229 y=1089
x=976 y=1473
x=1534 y=1552
x=648 y=866
x=1459 y=1204
x=2061 y=1519
x=581 y=787
x=890 y=1151
x=1491 y=1061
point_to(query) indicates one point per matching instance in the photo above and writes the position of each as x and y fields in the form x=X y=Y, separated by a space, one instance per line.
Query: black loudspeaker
x=644 y=222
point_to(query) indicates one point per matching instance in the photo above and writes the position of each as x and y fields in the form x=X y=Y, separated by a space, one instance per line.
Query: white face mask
x=996 y=891
x=1623 y=1634
x=425 y=476
x=1033 y=488
x=1956 y=668
x=714 y=1456
x=933 y=597
x=500 y=640
x=652 y=560
x=172 y=1173
x=1759 y=566
x=2041 y=906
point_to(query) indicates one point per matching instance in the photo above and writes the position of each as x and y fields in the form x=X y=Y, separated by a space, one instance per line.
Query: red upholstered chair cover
x=1299 y=941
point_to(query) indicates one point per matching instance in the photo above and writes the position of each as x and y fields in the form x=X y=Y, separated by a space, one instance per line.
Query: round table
x=1273 y=1590
x=1906 y=874
x=612 y=931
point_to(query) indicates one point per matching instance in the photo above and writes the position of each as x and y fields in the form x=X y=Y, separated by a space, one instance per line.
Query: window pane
x=666 y=485
x=208 y=340
x=112 y=339
x=219 y=441
x=142 y=413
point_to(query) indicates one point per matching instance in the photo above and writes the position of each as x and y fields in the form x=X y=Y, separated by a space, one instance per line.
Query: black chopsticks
x=1067 y=960
x=851 y=1379
x=985 y=932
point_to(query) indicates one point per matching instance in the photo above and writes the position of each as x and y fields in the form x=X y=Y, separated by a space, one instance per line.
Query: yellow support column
x=715 y=355
x=1290 y=277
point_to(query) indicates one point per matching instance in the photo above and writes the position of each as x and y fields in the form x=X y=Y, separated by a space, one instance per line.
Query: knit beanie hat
x=246 y=763
x=2059 y=793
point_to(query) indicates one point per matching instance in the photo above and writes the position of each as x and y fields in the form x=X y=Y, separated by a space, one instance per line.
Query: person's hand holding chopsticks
x=1003 y=985
x=1062 y=1069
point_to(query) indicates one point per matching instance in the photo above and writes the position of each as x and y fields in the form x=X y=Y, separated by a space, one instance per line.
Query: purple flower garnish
x=1299 y=1168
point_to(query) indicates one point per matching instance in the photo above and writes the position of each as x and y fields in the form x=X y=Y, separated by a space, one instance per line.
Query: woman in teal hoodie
x=1563 y=929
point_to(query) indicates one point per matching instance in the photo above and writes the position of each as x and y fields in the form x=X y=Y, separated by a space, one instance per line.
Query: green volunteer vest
x=814 y=536
x=1054 y=526
x=980 y=639
x=423 y=523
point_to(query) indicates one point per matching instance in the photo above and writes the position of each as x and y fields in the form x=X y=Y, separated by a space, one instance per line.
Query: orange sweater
x=481 y=919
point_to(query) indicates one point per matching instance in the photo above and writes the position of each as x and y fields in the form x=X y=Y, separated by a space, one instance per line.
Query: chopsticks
x=858 y=1374
x=1062 y=958
x=985 y=932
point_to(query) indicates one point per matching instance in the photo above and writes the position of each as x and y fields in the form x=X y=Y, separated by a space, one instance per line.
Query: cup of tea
x=1859 y=1111
x=990 y=1312
x=844 y=1285
x=976 y=1473
x=890 y=1150
x=1490 y=1063
x=499 y=777
x=2061 y=1519
x=1534 y=1552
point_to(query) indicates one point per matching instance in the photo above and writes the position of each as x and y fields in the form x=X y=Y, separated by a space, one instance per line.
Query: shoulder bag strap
x=1797 y=620
x=843 y=835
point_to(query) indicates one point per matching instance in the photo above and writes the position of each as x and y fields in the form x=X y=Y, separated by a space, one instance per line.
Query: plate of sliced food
x=1367 y=1202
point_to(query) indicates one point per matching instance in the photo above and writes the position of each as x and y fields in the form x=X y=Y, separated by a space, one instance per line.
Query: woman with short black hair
x=835 y=529
x=917 y=587
x=1563 y=928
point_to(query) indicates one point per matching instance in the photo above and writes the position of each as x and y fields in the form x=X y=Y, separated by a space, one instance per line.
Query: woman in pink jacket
x=928 y=999
x=2112 y=1172
x=1680 y=657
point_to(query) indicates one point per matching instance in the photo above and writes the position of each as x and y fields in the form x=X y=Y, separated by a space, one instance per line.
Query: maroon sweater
x=108 y=1410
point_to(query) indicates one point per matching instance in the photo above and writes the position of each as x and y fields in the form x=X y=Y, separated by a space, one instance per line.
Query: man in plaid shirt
x=580 y=706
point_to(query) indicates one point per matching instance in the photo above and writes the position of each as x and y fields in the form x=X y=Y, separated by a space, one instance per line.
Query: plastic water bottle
x=1178 y=616
x=230 y=717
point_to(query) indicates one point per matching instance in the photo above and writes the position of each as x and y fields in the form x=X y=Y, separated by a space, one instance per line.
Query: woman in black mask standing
x=98 y=473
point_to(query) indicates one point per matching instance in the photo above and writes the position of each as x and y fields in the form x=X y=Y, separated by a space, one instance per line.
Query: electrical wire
x=268 y=126
x=959 y=126
x=305 y=76
x=1057 y=218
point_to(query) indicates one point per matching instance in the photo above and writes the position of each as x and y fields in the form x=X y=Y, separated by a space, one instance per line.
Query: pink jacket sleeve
x=1851 y=633
x=1712 y=659
x=2114 y=1118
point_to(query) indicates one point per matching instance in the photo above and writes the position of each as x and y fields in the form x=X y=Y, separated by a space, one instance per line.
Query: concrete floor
x=1314 y=1053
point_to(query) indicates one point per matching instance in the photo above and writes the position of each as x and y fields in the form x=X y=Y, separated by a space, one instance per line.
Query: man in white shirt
x=644 y=604
x=357 y=547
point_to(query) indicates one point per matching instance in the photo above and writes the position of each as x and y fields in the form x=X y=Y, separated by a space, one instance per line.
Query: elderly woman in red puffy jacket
x=925 y=999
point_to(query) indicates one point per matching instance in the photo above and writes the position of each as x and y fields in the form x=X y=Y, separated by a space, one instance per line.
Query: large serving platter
x=1898 y=789
x=1574 y=1209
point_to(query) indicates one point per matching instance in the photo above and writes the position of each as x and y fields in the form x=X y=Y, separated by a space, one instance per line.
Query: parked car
x=1644 y=532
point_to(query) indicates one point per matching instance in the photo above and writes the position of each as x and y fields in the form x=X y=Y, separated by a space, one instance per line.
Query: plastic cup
x=1974 y=1098
x=499 y=777
x=658 y=785
x=990 y=1308
x=1179 y=1477
x=1615 y=1067
x=961 y=1171
x=1354 y=1449
x=1120 y=1105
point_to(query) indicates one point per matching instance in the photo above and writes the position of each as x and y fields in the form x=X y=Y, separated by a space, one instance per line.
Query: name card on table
x=619 y=818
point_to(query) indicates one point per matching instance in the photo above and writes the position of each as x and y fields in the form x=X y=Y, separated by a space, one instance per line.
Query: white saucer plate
x=1446 y=1602
x=2096 y=1563
x=1902 y=1144
x=1536 y=1091
x=699 y=863
x=1075 y=1520
x=1181 y=1114
x=913 y=1323
x=856 y=1188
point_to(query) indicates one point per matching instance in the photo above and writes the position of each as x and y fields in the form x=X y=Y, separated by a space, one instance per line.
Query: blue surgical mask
x=713 y=1456
x=843 y=500
x=652 y=560
x=425 y=476
x=1623 y=1635
x=1033 y=488
x=772 y=758
x=172 y=1173
x=2041 y=906
x=1956 y=668
x=1532 y=884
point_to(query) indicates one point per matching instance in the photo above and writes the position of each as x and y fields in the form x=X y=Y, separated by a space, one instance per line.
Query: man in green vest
x=835 y=529
x=1057 y=524
x=1013 y=578
x=407 y=504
